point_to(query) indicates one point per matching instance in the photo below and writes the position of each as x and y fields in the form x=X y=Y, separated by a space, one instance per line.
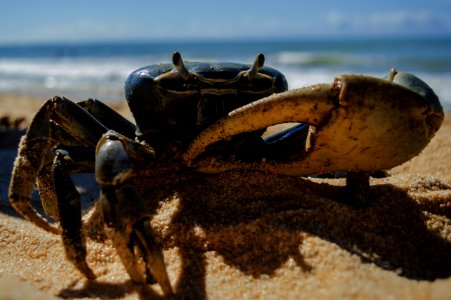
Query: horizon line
x=187 y=40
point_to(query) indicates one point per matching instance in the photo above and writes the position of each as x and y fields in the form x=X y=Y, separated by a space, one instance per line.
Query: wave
x=103 y=78
x=80 y=78
x=326 y=59
x=75 y=68
x=439 y=82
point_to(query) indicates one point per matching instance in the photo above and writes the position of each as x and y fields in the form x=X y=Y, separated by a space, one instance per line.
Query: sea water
x=99 y=70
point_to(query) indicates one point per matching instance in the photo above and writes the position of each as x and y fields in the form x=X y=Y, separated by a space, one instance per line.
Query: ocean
x=99 y=70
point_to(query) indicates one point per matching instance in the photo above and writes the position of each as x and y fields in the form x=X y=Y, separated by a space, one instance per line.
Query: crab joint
x=112 y=163
x=115 y=155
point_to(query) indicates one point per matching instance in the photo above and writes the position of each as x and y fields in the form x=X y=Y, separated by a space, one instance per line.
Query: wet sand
x=254 y=236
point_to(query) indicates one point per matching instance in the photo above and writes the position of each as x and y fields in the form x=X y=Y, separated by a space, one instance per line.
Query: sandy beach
x=252 y=236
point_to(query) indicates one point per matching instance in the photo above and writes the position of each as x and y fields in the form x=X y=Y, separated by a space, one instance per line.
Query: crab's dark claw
x=357 y=127
x=123 y=209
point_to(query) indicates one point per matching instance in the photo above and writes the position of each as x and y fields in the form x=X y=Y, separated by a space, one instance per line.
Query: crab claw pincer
x=361 y=123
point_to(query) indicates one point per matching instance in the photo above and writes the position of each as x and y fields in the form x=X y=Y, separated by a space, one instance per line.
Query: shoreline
x=235 y=235
x=26 y=106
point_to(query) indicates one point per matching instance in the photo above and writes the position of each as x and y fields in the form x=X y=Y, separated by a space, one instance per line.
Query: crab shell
x=362 y=124
x=175 y=101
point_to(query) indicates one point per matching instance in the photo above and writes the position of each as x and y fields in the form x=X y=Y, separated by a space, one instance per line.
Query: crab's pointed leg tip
x=167 y=290
x=89 y=274
x=28 y=212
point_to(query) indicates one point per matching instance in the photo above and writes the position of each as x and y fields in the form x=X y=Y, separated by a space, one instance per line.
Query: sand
x=254 y=236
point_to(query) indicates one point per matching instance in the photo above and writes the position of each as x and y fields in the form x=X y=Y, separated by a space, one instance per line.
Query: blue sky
x=88 y=20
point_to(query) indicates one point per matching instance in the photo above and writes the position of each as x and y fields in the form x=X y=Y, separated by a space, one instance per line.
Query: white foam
x=326 y=59
x=104 y=78
x=80 y=77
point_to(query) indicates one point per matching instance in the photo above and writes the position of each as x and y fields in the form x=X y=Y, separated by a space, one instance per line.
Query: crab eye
x=259 y=61
x=254 y=80
x=180 y=65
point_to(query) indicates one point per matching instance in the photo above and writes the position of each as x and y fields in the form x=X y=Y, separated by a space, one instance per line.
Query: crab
x=196 y=118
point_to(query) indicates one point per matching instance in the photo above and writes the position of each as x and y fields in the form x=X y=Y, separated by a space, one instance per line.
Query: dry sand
x=254 y=236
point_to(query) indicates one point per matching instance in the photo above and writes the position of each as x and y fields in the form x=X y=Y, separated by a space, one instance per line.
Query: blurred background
x=84 y=48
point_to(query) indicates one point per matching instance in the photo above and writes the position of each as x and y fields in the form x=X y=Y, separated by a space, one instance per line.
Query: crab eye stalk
x=256 y=66
x=180 y=65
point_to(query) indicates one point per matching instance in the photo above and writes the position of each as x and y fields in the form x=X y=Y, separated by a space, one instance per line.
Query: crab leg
x=78 y=164
x=124 y=211
x=108 y=117
x=69 y=210
x=58 y=121
x=35 y=147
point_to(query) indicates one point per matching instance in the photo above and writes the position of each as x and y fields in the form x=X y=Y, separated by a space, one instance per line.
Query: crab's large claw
x=362 y=124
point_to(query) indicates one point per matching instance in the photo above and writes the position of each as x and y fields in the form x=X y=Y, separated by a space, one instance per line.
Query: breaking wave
x=99 y=71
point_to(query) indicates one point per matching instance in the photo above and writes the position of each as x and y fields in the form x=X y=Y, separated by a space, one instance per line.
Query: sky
x=89 y=20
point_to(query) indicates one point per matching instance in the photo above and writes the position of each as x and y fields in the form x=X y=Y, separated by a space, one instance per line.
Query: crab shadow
x=256 y=223
x=259 y=223
x=105 y=290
